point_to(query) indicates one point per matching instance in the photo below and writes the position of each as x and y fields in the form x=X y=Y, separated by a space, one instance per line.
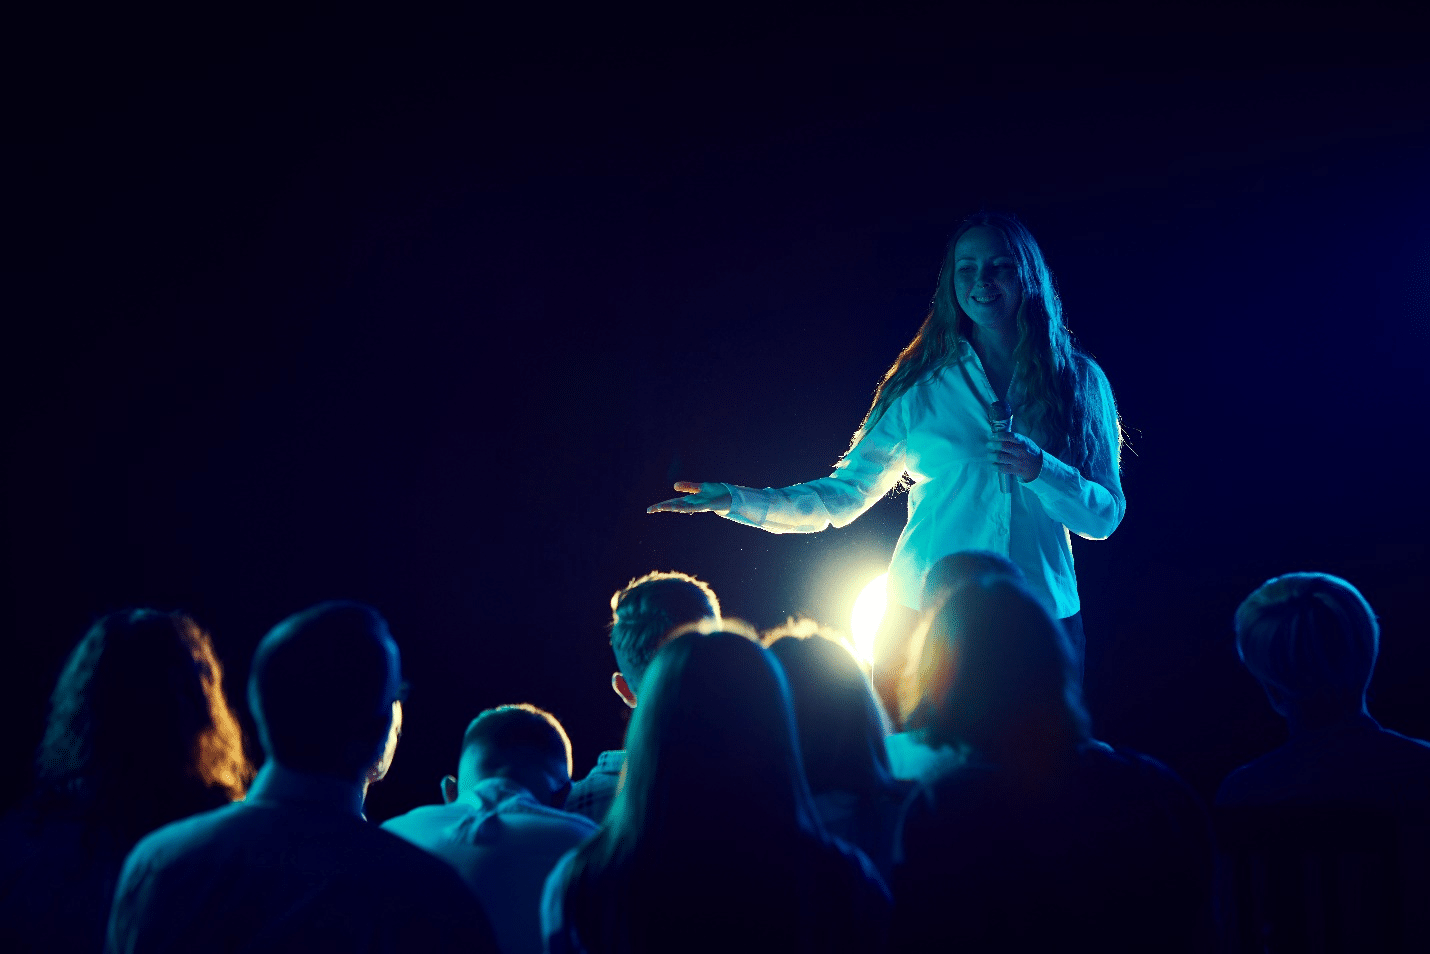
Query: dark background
x=425 y=311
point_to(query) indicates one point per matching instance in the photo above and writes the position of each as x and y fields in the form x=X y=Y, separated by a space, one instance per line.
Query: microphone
x=1000 y=416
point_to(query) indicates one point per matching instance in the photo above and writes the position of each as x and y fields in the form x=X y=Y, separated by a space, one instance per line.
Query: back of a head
x=840 y=723
x=139 y=728
x=965 y=566
x=514 y=740
x=713 y=742
x=996 y=672
x=648 y=609
x=322 y=687
x=1310 y=637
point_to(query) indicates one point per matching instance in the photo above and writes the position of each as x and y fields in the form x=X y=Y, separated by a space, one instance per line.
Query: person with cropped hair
x=297 y=866
x=1311 y=640
x=1343 y=805
x=500 y=826
x=643 y=615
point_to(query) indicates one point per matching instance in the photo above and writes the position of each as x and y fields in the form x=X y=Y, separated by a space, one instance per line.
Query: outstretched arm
x=698 y=498
x=872 y=466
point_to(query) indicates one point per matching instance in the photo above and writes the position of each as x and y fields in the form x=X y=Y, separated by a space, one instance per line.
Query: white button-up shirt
x=937 y=432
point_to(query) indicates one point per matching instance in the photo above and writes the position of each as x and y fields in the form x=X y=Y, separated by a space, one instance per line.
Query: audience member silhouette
x=956 y=569
x=643 y=614
x=499 y=827
x=841 y=728
x=139 y=734
x=1311 y=640
x=1044 y=838
x=908 y=756
x=713 y=843
x=296 y=866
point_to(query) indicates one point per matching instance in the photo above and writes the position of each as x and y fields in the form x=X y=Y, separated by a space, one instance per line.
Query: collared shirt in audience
x=503 y=843
x=295 y=867
x=912 y=760
x=593 y=795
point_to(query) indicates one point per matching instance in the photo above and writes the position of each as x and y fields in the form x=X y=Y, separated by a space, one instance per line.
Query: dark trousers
x=1077 y=639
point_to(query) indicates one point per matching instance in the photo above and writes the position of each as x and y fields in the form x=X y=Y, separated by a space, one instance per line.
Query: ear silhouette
x=449 y=789
x=623 y=689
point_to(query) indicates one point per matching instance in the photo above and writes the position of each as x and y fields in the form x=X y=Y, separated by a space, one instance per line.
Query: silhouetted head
x=139 y=728
x=324 y=690
x=519 y=742
x=1311 y=640
x=711 y=750
x=840 y=723
x=996 y=675
x=962 y=567
x=644 y=613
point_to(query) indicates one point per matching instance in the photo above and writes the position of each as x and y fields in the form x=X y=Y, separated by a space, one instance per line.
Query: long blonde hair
x=1066 y=403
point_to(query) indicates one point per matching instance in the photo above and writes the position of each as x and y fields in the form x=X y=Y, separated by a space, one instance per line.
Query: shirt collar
x=492 y=791
x=610 y=763
x=285 y=786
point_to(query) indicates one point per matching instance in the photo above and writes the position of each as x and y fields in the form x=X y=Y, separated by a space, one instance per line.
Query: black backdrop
x=424 y=312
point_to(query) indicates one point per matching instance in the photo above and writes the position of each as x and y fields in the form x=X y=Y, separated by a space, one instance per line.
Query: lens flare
x=868 y=614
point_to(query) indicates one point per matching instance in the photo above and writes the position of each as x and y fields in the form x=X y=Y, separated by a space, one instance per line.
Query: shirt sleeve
x=1090 y=506
x=867 y=472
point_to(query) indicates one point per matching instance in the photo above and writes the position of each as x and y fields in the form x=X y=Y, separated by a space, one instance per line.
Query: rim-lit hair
x=139 y=727
x=1065 y=402
x=840 y=723
x=996 y=676
x=506 y=730
x=712 y=772
x=648 y=609
x=1311 y=636
x=956 y=569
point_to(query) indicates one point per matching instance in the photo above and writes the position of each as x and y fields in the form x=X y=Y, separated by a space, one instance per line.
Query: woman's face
x=985 y=279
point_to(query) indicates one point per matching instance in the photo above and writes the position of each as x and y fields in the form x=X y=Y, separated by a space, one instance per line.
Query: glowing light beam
x=868 y=614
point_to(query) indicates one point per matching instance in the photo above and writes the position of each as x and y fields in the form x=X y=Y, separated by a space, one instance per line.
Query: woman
x=842 y=731
x=139 y=735
x=713 y=842
x=995 y=333
x=1042 y=838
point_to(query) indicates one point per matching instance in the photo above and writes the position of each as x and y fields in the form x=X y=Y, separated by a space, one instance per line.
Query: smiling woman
x=994 y=338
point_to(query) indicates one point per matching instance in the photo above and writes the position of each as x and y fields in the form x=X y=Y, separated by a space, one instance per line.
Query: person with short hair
x=714 y=843
x=296 y=866
x=1042 y=838
x=139 y=734
x=1344 y=804
x=643 y=614
x=1311 y=640
x=500 y=827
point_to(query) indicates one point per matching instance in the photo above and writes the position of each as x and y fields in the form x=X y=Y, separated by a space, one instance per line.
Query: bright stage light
x=868 y=614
